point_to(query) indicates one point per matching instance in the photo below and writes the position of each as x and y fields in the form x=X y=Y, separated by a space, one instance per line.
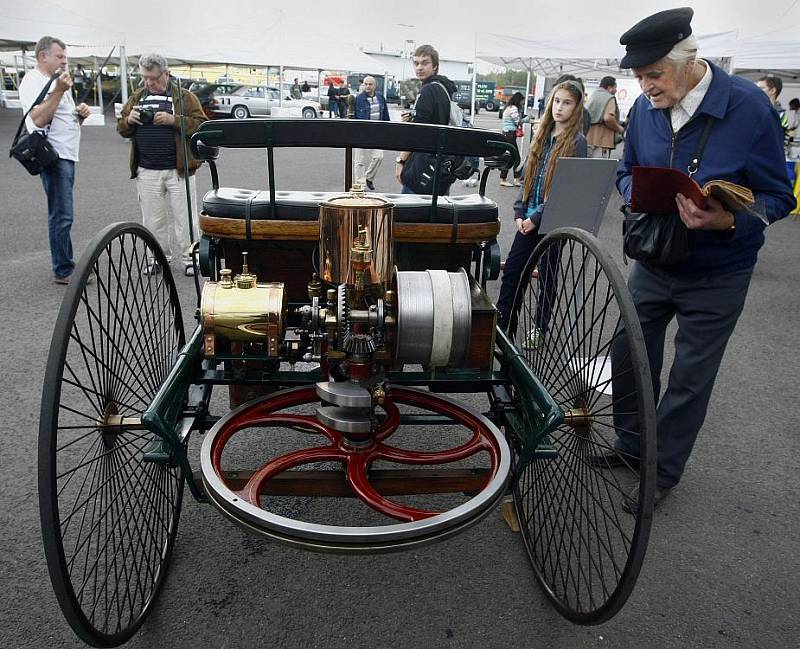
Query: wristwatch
x=399 y=161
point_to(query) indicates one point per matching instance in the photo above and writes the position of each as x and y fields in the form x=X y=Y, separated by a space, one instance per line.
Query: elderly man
x=685 y=96
x=370 y=105
x=151 y=119
x=604 y=123
x=58 y=115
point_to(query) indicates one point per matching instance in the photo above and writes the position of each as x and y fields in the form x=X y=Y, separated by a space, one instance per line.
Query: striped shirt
x=374 y=108
x=155 y=145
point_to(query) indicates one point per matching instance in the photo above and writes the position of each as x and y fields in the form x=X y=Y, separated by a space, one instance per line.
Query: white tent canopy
x=593 y=55
x=779 y=57
x=23 y=23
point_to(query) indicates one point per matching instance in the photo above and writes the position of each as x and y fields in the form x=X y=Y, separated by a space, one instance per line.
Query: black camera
x=146 y=115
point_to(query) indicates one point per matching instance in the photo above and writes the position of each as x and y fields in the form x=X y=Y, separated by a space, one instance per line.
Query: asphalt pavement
x=721 y=569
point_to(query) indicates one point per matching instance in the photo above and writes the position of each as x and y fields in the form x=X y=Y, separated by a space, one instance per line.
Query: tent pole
x=123 y=74
x=99 y=86
x=526 y=109
x=474 y=82
x=319 y=89
x=280 y=85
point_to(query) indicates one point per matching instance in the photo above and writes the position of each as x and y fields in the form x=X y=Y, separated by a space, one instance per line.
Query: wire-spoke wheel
x=109 y=518
x=585 y=530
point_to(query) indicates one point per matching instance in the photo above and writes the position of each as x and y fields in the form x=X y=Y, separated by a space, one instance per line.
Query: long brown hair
x=563 y=146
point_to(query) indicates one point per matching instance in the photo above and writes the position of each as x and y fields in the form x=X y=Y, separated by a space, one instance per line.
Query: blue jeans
x=58 y=182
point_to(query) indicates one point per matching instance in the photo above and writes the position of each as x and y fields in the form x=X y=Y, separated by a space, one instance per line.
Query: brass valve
x=245 y=279
x=362 y=249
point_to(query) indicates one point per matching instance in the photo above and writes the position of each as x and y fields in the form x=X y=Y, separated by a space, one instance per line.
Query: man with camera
x=151 y=119
x=61 y=119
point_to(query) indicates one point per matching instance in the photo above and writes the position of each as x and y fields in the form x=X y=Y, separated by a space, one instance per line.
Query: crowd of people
x=692 y=115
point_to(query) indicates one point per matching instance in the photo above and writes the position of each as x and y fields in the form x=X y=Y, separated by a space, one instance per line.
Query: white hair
x=152 y=60
x=683 y=51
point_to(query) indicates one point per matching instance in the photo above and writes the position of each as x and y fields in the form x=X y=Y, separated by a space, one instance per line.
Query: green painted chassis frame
x=527 y=411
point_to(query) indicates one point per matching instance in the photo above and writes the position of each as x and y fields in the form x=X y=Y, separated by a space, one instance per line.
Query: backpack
x=456 y=114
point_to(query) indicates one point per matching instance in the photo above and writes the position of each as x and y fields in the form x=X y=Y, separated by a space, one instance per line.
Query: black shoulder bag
x=661 y=239
x=32 y=149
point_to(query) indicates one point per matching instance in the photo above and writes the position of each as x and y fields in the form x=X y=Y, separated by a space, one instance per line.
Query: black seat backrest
x=234 y=203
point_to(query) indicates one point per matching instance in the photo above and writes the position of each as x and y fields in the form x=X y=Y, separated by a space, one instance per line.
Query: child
x=559 y=135
x=512 y=119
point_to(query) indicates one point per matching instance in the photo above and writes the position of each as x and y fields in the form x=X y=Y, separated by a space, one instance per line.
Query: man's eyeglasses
x=146 y=77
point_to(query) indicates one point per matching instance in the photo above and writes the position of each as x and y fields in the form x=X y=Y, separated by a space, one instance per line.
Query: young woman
x=559 y=135
x=512 y=118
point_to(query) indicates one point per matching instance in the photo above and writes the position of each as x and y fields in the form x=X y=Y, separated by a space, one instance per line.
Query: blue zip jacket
x=362 y=106
x=745 y=147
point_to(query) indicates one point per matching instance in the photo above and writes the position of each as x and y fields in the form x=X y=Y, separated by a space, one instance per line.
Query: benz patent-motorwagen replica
x=338 y=322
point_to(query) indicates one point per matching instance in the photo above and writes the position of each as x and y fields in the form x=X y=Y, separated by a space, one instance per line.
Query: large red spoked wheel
x=247 y=501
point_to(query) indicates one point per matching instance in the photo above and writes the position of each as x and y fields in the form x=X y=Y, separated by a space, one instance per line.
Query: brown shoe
x=66 y=280
x=630 y=502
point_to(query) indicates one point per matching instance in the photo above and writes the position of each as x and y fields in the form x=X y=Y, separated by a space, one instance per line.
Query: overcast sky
x=449 y=25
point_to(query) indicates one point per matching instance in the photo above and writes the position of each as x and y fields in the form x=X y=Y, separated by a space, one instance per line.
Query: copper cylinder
x=342 y=221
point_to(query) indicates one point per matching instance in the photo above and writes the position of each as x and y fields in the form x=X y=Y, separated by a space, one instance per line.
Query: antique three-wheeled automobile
x=339 y=322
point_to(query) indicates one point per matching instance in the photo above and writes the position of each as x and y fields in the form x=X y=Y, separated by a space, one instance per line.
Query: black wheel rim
x=109 y=519
x=576 y=325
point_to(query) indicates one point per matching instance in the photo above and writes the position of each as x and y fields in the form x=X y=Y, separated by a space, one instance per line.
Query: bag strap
x=446 y=94
x=38 y=101
x=701 y=145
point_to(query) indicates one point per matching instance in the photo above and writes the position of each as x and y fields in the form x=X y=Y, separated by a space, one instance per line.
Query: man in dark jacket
x=706 y=292
x=151 y=119
x=432 y=105
x=370 y=105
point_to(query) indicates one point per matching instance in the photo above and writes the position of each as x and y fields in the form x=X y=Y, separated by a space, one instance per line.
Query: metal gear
x=342 y=315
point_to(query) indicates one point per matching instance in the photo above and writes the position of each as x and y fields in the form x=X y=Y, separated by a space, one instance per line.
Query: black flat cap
x=653 y=37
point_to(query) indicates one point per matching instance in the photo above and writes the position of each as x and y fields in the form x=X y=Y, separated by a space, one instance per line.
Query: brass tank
x=355 y=240
x=242 y=309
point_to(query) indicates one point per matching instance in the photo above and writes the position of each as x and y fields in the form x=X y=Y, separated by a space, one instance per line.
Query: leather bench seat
x=234 y=203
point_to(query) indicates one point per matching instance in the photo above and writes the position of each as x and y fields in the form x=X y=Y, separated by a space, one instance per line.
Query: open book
x=654 y=190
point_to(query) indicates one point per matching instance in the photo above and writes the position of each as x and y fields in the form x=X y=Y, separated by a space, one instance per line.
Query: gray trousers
x=706 y=309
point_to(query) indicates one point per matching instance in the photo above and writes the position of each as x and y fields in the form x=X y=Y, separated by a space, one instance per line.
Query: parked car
x=207 y=93
x=259 y=100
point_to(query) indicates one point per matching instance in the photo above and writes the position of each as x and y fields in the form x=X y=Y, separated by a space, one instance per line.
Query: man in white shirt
x=61 y=119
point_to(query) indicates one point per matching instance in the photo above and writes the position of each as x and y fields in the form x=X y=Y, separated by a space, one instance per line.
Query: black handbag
x=33 y=150
x=661 y=239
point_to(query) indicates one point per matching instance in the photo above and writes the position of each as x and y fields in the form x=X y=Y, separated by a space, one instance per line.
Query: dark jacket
x=745 y=147
x=194 y=116
x=363 y=108
x=432 y=107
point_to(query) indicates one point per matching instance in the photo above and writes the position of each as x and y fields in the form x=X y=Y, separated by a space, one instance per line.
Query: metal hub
x=112 y=423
